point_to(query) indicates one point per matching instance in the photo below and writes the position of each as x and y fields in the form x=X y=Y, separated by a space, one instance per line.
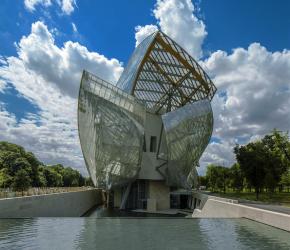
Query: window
x=153 y=142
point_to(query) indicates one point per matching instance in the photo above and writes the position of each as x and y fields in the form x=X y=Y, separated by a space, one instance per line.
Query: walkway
x=273 y=208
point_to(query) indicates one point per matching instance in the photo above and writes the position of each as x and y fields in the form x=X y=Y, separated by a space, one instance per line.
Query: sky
x=244 y=46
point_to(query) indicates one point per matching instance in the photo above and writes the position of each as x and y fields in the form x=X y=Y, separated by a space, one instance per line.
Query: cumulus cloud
x=62 y=67
x=143 y=31
x=253 y=83
x=256 y=84
x=176 y=18
x=2 y=86
x=48 y=76
x=30 y=4
x=67 y=6
x=253 y=97
x=253 y=87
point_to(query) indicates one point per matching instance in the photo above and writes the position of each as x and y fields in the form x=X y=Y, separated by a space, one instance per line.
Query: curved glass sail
x=111 y=131
x=129 y=74
x=187 y=131
x=164 y=76
x=161 y=78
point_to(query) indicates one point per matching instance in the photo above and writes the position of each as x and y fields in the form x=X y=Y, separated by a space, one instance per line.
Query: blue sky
x=228 y=37
x=108 y=26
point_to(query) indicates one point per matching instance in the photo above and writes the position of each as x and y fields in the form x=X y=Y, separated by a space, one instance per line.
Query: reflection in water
x=141 y=234
x=14 y=232
x=134 y=233
x=101 y=212
x=242 y=234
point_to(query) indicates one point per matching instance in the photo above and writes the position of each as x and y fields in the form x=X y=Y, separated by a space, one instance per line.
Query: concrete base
x=159 y=192
x=151 y=205
x=214 y=207
x=70 y=204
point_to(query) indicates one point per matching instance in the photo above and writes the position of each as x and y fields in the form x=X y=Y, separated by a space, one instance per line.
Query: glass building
x=142 y=138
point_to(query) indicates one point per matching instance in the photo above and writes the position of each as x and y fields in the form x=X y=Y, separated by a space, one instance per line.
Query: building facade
x=143 y=137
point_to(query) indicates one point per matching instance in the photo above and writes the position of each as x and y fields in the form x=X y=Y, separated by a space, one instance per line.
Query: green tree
x=53 y=178
x=5 y=178
x=14 y=158
x=202 y=181
x=71 y=177
x=217 y=177
x=285 y=180
x=223 y=175
x=88 y=182
x=252 y=159
x=42 y=178
x=279 y=141
x=21 y=180
x=236 y=177
x=276 y=146
x=34 y=165
x=211 y=174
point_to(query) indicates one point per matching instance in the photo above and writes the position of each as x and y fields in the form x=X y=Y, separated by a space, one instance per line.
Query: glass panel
x=128 y=76
x=188 y=131
x=111 y=130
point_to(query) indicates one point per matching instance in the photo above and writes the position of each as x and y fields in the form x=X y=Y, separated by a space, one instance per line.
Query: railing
x=9 y=193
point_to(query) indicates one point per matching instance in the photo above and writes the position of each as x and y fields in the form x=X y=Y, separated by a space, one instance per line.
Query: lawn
x=282 y=198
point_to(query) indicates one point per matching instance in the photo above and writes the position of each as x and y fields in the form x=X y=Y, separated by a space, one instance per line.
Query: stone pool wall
x=69 y=204
x=215 y=207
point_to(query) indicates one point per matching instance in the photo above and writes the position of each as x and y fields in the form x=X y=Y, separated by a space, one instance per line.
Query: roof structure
x=162 y=97
x=163 y=76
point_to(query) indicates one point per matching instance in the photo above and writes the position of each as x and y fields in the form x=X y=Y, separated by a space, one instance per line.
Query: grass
x=282 y=198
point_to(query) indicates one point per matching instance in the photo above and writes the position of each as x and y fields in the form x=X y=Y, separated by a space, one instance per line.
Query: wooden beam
x=182 y=60
x=155 y=64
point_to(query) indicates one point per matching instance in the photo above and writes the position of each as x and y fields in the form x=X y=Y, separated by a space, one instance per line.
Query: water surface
x=137 y=233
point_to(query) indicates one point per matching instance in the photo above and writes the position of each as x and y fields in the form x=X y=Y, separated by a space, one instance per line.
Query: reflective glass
x=111 y=130
x=188 y=131
x=129 y=74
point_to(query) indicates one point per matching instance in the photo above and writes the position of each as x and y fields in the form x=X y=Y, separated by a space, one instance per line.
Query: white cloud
x=253 y=97
x=67 y=6
x=220 y=153
x=176 y=18
x=62 y=67
x=143 y=31
x=74 y=27
x=253 y=84
x=30 y=4
x=2 y=85
x=48 y=76
x=253 y=87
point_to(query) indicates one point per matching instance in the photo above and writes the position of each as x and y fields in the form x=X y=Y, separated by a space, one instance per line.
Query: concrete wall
x=202 y=198
x=217 y=208
x=149 y=162
x=50 y=205
x=161 y=193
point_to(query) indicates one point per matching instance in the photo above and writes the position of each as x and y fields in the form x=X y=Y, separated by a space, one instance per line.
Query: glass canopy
x=164 y=76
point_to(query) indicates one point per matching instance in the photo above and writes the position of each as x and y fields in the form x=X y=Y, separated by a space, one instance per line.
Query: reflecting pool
x=139 y=233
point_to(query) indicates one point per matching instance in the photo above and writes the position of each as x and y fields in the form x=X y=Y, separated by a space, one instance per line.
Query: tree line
x=262 y=165
x=20 y=170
